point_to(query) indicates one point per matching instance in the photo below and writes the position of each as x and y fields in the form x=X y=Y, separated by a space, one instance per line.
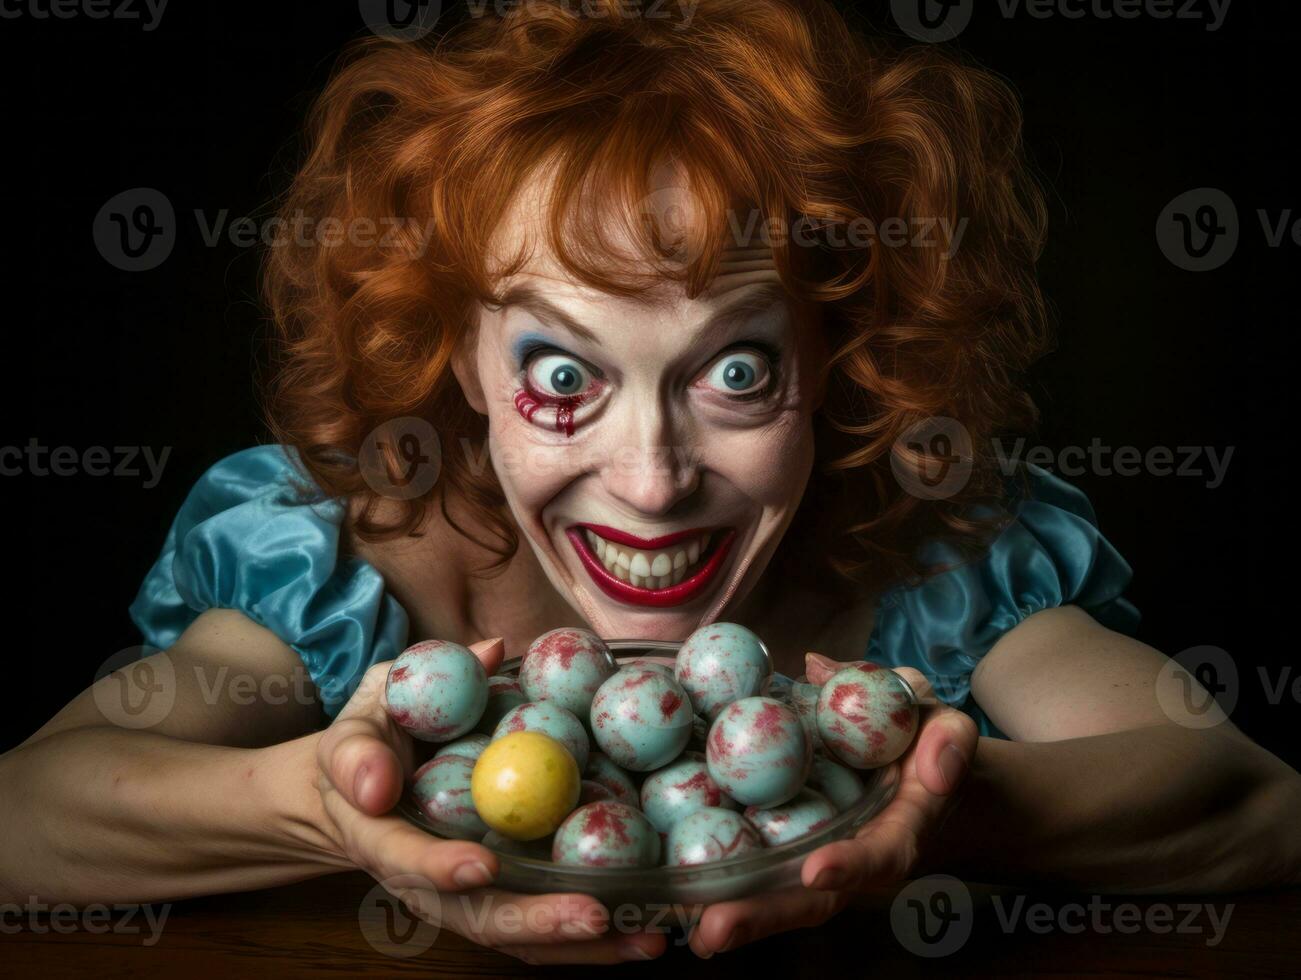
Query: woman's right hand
x=364 y=760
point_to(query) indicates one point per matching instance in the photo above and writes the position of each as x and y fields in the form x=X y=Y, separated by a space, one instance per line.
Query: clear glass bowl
x=772 y=867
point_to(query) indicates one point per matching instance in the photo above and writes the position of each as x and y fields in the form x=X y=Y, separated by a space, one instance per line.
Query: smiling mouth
x=664 y=571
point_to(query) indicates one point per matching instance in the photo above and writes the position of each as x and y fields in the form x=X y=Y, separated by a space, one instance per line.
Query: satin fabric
x=255 y=535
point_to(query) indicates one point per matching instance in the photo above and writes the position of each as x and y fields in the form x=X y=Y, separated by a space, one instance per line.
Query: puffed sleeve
x=1051 y=554
x=255 y=535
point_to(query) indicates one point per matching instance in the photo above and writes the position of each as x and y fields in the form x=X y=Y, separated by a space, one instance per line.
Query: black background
x=1122 y=116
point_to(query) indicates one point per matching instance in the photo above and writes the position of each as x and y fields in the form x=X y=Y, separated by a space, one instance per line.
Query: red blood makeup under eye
x=526 y=403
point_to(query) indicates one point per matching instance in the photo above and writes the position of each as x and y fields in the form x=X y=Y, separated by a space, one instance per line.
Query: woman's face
x=653 y=451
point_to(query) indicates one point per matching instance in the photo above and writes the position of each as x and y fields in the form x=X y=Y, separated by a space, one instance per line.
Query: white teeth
x=647 y=569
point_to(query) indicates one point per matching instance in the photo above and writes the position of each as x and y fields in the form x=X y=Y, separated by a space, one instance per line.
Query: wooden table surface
x=315 y=929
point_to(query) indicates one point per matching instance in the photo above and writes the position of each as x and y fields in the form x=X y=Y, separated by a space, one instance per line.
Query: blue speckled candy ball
x=504 y=693
x=606 y=834
x=441 y=788
x=436 y=690
x=866 y=715
x=719 y=664
x=837 y=783
x=758 y=753
x=470 y=746
x=641 y=718
x=807 y=812
x=681 y=787
x=549 y=719
x=711 y=834
x=602 y=769
x=566 y=666
x=804 y=699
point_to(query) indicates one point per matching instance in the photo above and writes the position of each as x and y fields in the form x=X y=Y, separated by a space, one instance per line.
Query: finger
x=888 y=846
x=490 y=653
x=945 y=747
x=883 y=851
x=391 y=848
x=357 y=757
x=729 y=925
x=630 y=947
x=501 y=919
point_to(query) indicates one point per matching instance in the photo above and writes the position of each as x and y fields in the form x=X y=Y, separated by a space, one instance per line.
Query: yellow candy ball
x=524 y=785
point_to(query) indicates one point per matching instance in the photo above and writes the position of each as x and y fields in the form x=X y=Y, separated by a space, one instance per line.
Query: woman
x=664 y=326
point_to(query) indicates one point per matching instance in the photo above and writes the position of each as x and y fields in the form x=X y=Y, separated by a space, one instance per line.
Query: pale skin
x=1098 y=788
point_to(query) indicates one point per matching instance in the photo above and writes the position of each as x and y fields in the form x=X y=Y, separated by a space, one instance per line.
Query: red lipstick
x=673 y=595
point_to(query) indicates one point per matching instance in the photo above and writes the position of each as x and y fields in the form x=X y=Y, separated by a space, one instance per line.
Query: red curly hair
x=773 y=103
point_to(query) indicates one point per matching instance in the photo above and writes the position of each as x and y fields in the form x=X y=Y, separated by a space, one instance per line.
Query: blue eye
x=559 y=376
x=738 y=373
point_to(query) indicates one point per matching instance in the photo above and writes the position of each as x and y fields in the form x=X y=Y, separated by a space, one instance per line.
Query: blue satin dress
x=256 y=536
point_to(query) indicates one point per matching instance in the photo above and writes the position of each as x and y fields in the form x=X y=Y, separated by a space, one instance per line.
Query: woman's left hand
x=886 y=849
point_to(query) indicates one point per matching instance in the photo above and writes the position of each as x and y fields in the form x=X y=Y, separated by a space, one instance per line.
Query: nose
x=654 y=466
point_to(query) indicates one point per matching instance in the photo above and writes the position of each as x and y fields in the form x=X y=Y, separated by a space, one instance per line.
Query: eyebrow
x=757 y=298
x=530 y=299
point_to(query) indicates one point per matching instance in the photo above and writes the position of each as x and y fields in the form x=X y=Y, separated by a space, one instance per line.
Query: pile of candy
x=705 y=760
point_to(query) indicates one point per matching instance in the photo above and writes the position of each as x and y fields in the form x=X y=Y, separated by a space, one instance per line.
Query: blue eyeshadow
x=526 y=344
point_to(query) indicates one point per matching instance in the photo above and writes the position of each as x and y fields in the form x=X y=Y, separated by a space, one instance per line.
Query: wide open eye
x=739 y=373
x=558 y=376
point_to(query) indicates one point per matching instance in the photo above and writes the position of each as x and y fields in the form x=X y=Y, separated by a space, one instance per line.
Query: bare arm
x=220 y=793
x=1100 y=788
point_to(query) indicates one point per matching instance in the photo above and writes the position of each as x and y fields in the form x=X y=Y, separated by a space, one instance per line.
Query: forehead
x=521 y=256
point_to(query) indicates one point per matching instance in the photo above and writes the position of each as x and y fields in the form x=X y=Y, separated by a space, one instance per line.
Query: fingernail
x=829 y=879
x=359 y=784
x=472 y=874
x=631 y=951
x=952 y=765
